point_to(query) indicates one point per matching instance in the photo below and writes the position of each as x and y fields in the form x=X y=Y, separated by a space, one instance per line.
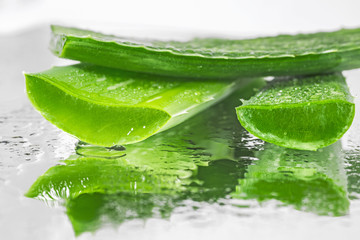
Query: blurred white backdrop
x=219 y=17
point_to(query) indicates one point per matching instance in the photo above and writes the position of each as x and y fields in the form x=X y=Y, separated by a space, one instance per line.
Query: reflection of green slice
x=89 y=212
x=109 y=107
x=87 y=175
x=307 y=113
x=310 y=181
x=269 y=56
x=98 y=191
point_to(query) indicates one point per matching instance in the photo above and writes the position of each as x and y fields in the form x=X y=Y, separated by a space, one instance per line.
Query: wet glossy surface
x=207 y=176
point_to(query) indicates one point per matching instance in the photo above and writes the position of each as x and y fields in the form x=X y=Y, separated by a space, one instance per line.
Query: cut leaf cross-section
x=306 y=114
x=107 y=107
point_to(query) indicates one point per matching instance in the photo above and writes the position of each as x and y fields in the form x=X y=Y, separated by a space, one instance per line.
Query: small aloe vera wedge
x=306 y=114
x=108 y=107
x=270 y=56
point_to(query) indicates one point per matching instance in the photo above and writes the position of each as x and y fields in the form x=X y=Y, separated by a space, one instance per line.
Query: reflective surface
x=207 y=176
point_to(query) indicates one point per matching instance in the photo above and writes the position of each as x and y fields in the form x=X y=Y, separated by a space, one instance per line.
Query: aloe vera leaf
x=309 y=181
x=148 y=178
x=107 y=107
x=269 y=56
x=172 y=155
x=307 y=113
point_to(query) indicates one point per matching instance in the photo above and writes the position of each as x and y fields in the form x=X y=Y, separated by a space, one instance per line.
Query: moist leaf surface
x=307 y=113
x=109 y=107
x=281 y=55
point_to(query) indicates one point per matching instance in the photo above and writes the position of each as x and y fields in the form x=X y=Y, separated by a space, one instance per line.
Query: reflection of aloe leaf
x=149 y=178
x=89 y=211
x=87 y=175
x=310 y=181
x=99 y=191
x=218 y=179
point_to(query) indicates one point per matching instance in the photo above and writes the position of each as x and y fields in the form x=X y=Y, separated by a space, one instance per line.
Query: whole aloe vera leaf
x=107 y=107
x=268 y=56
x=309 y=181
x=307 y=113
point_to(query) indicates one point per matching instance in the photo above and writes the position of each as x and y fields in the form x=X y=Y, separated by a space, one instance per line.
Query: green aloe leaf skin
x=306 y=114
x=288 y=55
x=309 y=181
x=108 y=107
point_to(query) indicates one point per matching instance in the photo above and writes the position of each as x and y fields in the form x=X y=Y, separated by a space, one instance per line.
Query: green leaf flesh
x=107 y=107
x=301 y=54
x=305 y=114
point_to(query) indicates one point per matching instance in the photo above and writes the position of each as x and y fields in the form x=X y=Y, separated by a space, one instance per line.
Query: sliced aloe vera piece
x=307 y=113
x=149 y=178
x=309 y=181
x=160 y=164
x=270 y=56
x=107 y=107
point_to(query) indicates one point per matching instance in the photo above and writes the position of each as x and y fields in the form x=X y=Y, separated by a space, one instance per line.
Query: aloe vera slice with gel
x=306 y=114
x=108 y=107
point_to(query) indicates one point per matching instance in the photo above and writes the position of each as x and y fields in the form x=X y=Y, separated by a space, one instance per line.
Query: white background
x=226 y=17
